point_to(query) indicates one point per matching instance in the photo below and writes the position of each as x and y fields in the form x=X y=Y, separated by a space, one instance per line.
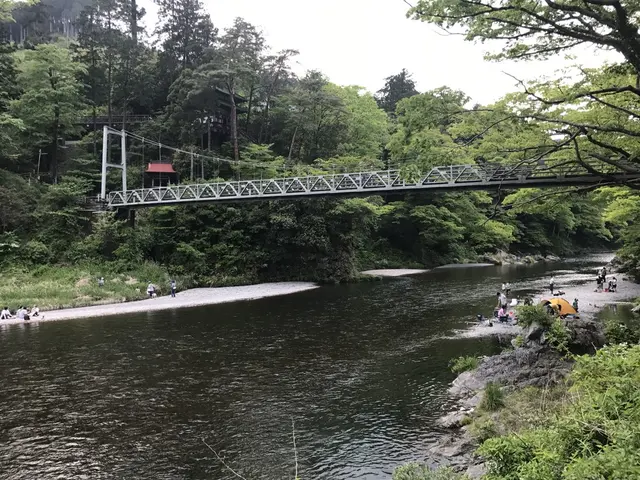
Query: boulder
x=552 y=258
x=534 y=365
x=475 y=472
x=452 y=420
x=533 y=333
x=585 y=336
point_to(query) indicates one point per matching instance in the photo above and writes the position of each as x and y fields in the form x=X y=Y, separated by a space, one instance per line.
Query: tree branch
x=223 y=462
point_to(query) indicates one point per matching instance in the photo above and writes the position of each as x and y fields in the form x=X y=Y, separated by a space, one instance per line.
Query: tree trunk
x=265 y=121
x=54 y=152
x=293 y=142
x=251 y=92
x=134 y=22
x=234 y=122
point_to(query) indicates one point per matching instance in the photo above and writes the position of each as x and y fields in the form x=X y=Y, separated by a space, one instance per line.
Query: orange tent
x=561 y=306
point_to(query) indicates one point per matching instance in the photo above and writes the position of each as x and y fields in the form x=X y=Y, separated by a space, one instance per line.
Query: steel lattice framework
x=453 y=177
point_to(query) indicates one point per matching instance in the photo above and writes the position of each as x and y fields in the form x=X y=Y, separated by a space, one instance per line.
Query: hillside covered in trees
x=225 y=95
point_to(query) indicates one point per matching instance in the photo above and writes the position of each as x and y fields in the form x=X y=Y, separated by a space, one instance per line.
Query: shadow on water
x=361 y=368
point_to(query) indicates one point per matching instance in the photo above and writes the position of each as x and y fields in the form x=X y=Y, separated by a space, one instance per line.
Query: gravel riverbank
x=190 y=298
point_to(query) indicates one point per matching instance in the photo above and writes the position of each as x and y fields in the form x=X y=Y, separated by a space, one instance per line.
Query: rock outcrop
x=504 y=258
x=536 y=363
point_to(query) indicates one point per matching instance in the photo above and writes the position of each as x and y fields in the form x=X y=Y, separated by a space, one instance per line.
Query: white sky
x=360 y=42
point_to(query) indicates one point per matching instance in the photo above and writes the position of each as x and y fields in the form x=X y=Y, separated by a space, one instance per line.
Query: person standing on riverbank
x=551 y=284
x=101 y=282
x=173 y=288
x=502 y=300
x=151 y=289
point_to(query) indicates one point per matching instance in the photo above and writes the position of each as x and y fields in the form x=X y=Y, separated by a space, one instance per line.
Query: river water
x=361 y=370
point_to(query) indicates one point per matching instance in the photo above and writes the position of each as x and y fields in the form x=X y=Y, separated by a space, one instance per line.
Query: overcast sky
x=360 y=42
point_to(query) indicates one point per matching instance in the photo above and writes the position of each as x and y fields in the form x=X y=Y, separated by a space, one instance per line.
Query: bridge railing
x=362 y=182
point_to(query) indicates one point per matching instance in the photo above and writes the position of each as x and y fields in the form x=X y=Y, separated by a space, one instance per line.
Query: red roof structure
x=160 y=168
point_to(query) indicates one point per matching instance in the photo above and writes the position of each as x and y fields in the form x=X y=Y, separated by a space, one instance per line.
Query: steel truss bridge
x=439 y=179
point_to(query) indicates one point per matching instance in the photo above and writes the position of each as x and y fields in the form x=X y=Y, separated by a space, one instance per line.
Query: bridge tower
x=122 y=166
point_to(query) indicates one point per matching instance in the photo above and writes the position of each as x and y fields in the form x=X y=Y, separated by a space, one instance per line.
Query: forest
x=225 y=95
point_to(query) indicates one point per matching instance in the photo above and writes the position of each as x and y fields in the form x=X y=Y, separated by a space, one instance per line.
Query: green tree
x=52 y=98
x=396 y=87
x=235 y=65
x=366 y=125
x=185 y=31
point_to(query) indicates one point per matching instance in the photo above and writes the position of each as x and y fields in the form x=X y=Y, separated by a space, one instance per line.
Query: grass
x=462 y=364
x=55 y=287
x=526 y=408
x=492 y=397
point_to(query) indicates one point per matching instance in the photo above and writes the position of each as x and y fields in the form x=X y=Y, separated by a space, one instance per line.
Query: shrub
x=518 y=341
x=462 y=364
x=492 y=398
x=594 y=436
x=36 y=253
x=558 y=336
x=530 y=314
x=483 y=429
x=416 y=471
x=616 y=332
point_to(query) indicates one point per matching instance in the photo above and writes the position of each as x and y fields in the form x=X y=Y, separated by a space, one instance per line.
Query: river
x=361 y=369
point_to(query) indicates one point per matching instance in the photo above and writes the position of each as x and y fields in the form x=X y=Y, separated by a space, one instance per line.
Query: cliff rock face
x=535 y=364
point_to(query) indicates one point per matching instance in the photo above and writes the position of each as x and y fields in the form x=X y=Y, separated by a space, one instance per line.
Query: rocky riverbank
x=505 y=258
x=534 y=364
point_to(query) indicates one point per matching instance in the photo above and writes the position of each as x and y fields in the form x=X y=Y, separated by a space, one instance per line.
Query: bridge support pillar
x=132 y=218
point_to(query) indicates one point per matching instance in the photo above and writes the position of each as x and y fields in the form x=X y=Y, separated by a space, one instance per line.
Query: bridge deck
x=454 y=177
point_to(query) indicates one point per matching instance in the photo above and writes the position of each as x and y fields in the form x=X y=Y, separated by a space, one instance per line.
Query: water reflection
x=361 y=368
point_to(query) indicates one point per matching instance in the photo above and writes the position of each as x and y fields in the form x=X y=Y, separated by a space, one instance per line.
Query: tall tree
x=234 y=64
x=396 y=87
x=590 y=116
x=185 y=31
x=313 y=119
x=275 y=75
x=52 y=98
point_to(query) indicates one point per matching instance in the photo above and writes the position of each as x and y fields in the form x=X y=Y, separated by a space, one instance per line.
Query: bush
x=616 y=332
x=416 y=471
x=530 y=314
x=594 y=436
x=36 y=253
x=492 y=398
x=518 y=341
x=483 y=429
x=462 y=364
x=558 y=336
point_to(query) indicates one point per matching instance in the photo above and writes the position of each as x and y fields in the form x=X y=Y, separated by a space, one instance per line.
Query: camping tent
x=561 y=306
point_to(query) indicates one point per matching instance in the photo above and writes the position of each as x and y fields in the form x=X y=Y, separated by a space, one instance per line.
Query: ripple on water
x=363 y=370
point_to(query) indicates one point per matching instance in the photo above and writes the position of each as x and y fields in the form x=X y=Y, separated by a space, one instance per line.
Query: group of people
x=22 y=313
x=503 y=314
x=152 y=290
x=602 y=284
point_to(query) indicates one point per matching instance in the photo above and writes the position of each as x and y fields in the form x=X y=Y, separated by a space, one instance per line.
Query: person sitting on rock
x=613 y=287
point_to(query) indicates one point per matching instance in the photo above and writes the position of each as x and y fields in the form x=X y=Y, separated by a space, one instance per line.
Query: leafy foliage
x=416 y=471
x=492 y=397
x=595 y=436
x=530 y=314
x=462 y=364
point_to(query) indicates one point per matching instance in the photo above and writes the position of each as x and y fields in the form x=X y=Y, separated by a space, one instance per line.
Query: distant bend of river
x=362 y=370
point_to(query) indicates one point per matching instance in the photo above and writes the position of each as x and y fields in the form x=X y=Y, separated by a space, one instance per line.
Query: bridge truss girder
x=452 y=177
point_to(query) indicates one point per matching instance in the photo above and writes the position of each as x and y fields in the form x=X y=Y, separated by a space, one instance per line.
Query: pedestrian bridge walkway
x=438 y=179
